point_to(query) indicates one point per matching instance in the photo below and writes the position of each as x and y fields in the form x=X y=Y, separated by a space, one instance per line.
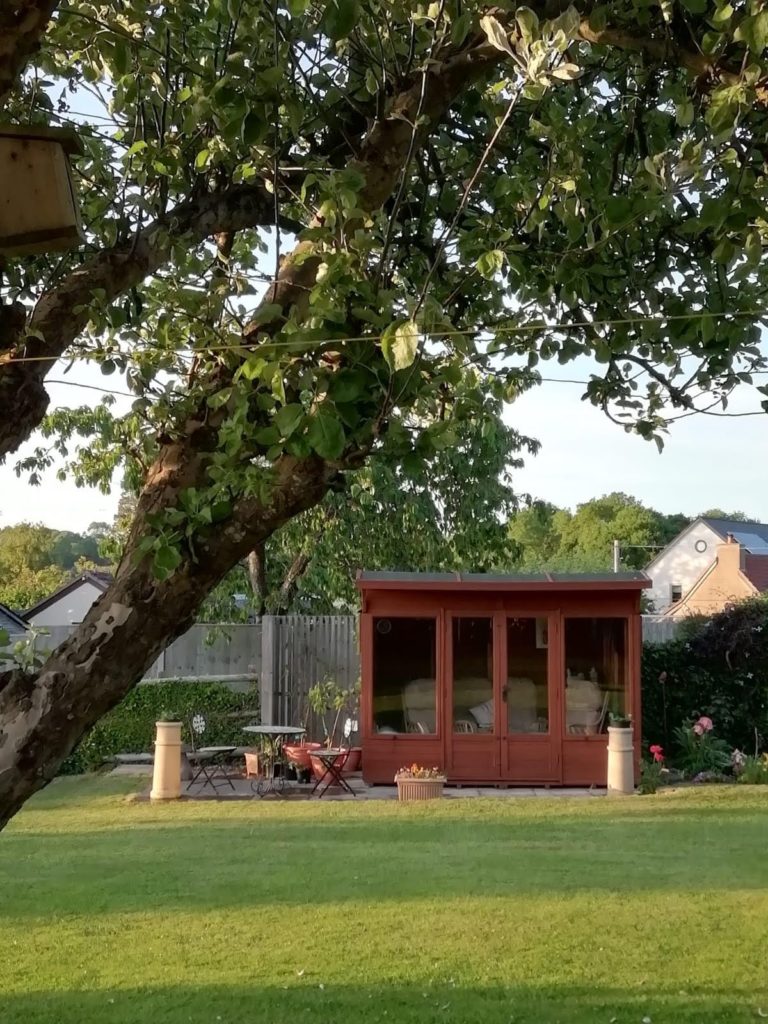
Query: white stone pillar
x=621 y=758
x=166 y=777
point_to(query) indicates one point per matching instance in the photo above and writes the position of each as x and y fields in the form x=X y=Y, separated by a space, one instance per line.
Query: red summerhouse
x=498 y=679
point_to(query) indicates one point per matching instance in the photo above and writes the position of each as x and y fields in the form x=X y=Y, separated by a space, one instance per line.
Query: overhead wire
x=757 y=314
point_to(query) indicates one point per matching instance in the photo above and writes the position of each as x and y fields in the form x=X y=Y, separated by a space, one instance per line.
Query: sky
x=707 y=462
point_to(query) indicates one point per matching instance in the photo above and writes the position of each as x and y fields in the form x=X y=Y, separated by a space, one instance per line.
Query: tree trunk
x=287 y=590
x=257 y=574
x=43 y=715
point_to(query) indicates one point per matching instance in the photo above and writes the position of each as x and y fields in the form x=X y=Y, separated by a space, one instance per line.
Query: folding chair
x=208 y=763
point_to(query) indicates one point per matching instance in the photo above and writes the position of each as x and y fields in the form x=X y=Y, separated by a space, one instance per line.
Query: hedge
x=716 y=667
x=130 y=727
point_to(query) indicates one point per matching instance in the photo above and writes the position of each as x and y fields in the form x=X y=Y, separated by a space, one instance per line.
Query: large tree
x=420 y=195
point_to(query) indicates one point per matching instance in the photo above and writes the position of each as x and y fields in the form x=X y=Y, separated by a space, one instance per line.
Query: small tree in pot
x=335 y=704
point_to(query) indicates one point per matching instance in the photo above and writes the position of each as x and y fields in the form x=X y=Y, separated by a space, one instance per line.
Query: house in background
x=13 y=623
x=682 y=563
x=70 y=603
x=735 y=575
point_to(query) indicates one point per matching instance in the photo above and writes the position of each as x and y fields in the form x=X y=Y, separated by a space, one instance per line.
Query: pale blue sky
x=706 y=462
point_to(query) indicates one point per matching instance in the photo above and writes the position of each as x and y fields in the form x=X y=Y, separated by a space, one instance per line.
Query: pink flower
x=705 y=723
x=698 y=729
x=658 y=752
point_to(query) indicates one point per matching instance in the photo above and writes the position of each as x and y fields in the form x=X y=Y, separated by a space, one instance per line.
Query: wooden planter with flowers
x=418 y=783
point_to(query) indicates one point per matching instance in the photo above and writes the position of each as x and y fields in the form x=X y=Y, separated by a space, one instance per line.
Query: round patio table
x=275 y=736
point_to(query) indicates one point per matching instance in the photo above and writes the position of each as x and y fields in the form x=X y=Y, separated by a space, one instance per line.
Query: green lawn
x=489 y=911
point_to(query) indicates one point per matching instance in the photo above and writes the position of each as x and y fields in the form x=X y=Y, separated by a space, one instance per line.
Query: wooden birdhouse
x=38 y=204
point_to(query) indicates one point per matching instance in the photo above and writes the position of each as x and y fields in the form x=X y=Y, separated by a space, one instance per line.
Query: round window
x=701 y=546
x=384 y=626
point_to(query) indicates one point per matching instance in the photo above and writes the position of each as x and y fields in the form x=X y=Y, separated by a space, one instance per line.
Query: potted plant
x=620 y=721
x=300 y=753
x=335 y=705
x=418 y=783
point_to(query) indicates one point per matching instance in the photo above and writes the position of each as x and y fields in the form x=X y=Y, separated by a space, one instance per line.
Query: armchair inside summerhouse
x=498 y=679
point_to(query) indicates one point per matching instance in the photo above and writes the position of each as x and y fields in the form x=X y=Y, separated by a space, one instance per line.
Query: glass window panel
x=596 y=673
x=472 y=675
x=525 y=690
x=404 y=673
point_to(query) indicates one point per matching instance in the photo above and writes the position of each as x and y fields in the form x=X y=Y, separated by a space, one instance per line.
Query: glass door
x=472 y=707
x=530 y=744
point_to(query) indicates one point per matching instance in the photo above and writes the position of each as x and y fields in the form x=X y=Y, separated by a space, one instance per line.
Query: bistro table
x=274 y=736
x=334 y=762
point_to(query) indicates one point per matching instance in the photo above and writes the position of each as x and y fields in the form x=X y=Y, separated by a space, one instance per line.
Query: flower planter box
x=419 y=789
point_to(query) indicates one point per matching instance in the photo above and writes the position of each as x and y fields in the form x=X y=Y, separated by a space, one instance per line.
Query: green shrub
x=716 y=667
x=130 y=727
x=754 y=771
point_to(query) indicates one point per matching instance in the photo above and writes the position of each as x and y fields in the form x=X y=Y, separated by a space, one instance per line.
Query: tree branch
x=22 y=24
x=63 y=312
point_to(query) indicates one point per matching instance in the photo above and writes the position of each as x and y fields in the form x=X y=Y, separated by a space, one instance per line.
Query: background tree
x=310 y=225
x=35 y=560
x=448 y=514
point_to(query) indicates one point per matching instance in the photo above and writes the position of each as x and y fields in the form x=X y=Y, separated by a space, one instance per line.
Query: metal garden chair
x=208 y=763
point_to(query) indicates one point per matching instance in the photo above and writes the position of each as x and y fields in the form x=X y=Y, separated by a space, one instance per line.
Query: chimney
x=731 y=553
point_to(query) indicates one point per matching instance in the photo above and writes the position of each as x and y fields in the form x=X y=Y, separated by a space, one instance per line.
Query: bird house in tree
x=38 y=205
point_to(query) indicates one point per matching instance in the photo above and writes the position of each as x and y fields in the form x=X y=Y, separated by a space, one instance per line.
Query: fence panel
x=309 y=649
x=657 y=629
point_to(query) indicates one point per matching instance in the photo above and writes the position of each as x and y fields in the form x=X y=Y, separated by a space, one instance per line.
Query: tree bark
x=287 y=591
x=43 y=716
x=257 y=574
x=63 y=312
x=22 y=24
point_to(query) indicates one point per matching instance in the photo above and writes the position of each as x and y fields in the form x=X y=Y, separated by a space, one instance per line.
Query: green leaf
x=166 y=559
x=221 y=509
x=460 y=28
x=108 y=367
x=297 y=7
x=684 y=113
x=201 y=159
x=5 y=637
x=220 y=398
x=696 y=6
x=347 y=385
x=754 y=32
x=567 y=72
x=340 y=18
x=326 y=434
x=288 y=418
x=528 y=23
x=399 y=344
x=490 y=263
x=253 y=129
x=371 y=82
x=496 y=34
x=122 y=57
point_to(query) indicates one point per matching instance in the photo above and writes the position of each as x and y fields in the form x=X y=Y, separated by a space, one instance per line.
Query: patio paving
x=242 y=791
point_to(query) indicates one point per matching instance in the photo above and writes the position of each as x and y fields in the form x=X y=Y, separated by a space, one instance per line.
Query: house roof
x=12 y=617
x=756 y=571
x=101 y=580
x=751 y=536
x=502 y=581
